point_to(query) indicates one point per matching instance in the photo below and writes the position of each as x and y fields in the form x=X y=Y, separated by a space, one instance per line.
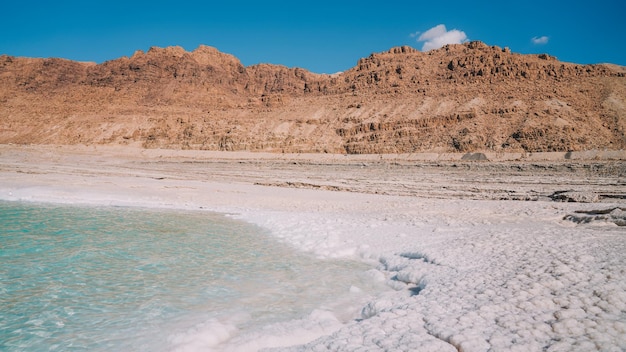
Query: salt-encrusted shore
x=480 y=255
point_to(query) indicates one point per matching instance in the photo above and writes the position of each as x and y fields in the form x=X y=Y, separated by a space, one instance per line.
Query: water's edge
x=343 y=281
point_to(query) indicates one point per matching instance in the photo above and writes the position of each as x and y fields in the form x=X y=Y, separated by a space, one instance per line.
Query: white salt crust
x=467 y=275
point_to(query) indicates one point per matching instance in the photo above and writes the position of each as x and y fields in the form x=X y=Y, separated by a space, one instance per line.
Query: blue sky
x=321 y=36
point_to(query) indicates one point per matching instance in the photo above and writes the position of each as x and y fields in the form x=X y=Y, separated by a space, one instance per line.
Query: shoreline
x=468 y=271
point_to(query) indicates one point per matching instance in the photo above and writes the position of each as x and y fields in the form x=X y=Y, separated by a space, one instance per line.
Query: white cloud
x=540 y=40
x=439 y=36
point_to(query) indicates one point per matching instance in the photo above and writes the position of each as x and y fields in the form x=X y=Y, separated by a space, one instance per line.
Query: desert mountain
x=468 y=97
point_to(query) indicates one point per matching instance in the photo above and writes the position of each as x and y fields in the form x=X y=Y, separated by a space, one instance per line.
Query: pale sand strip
x=135 y=150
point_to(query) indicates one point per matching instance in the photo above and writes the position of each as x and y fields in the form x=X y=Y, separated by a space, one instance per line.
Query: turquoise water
x=101 y=279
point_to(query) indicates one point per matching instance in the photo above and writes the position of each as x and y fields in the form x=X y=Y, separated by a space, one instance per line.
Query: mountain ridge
x=460 y=98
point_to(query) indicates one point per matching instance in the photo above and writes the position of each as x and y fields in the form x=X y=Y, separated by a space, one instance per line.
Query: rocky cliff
x=469 y=97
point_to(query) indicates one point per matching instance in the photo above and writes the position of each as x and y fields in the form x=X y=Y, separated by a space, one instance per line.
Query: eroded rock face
x=460 y=98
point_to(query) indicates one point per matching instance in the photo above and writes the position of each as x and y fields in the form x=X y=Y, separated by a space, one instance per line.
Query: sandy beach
x=522 y=253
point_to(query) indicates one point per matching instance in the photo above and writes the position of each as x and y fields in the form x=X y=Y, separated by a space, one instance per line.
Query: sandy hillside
x=460 y=98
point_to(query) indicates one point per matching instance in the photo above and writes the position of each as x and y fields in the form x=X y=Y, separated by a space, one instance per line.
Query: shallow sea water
x=103 y=278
